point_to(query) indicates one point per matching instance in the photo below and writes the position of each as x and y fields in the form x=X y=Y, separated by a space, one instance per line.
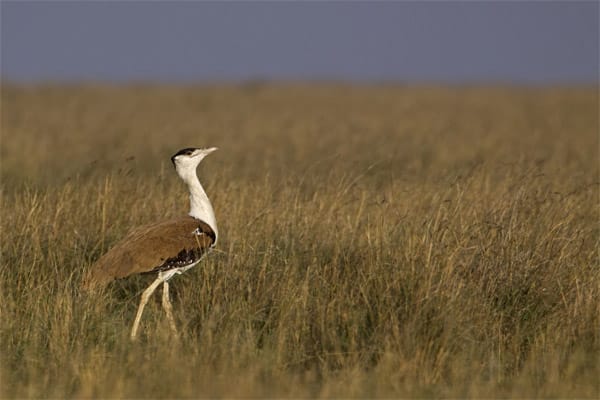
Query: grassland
x=376 y=241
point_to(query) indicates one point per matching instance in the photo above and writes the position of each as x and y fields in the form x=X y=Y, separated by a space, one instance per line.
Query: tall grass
x=375 y=241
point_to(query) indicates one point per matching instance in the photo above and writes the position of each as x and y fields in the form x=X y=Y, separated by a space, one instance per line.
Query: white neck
x=200 y=206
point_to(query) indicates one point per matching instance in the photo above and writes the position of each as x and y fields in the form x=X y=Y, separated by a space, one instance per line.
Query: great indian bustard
x=166 y=248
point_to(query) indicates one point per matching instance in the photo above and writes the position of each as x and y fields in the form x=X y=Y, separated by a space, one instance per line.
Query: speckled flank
x=186 y=256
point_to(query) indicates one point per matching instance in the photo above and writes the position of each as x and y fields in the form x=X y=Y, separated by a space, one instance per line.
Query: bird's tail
x=91 y=283
x=88 y=284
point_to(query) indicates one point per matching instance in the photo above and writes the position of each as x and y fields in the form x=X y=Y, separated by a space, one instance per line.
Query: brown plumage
x=160 y=246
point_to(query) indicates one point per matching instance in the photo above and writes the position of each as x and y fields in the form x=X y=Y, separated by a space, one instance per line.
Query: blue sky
x=539 y=42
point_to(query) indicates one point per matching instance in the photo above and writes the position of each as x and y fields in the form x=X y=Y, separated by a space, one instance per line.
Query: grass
x=376 y=241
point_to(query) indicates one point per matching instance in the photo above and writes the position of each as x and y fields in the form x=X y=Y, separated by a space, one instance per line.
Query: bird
x=165 y=248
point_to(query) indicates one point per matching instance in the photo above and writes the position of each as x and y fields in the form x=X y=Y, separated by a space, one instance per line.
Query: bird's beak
x=204 y=152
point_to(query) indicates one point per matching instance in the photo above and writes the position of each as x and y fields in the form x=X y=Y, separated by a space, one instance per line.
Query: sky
x=517 y=42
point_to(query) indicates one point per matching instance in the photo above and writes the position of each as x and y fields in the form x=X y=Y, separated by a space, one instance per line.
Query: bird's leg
x=168 y=307
x=145 y=296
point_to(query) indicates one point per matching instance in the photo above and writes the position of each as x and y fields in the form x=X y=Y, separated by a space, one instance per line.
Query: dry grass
x=375 y=241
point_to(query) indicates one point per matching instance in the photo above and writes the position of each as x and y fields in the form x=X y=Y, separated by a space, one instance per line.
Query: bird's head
x=186 y=160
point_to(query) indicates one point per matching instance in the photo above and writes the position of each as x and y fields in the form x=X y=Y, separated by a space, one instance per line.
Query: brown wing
x=160 y=246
